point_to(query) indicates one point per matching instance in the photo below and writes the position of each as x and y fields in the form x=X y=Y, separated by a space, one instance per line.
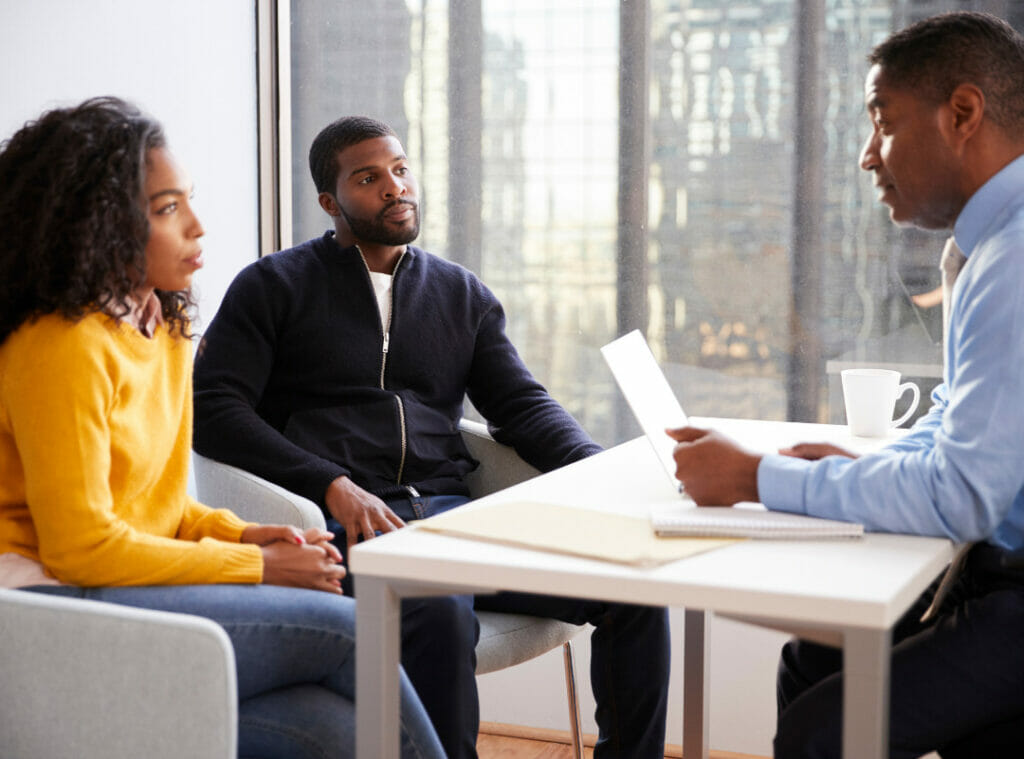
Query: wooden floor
x=504 y=747
x=493 y=744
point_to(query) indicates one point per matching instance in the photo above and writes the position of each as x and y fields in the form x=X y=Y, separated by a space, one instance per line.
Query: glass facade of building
x=751 y=250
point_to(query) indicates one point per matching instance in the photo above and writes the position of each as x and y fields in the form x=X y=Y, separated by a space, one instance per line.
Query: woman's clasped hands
x=297 y=558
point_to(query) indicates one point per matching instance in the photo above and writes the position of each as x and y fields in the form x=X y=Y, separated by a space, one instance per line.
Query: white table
x=850 y=592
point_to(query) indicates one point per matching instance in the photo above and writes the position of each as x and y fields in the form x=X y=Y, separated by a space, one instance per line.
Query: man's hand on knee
x=359 y=512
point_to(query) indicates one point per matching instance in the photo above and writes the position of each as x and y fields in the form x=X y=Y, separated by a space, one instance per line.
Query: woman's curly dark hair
x=73 y=219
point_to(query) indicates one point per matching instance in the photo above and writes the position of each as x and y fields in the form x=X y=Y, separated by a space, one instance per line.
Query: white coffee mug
x=870 y=396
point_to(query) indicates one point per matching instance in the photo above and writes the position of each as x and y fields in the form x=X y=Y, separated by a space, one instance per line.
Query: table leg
x=866 y=658
x=378 y=624
x=696 y=684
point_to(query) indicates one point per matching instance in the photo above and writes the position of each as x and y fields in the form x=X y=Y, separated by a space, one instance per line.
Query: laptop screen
x=648 y=393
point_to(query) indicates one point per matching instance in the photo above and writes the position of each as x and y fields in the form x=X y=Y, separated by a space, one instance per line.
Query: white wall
x=742 y=702
x=190 y=63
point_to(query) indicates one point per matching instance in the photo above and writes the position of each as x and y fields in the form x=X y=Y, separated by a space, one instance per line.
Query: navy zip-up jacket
x=298 y=381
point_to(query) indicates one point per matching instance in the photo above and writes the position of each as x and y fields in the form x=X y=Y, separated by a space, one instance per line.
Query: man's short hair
x=333 y=139
x=935 y=56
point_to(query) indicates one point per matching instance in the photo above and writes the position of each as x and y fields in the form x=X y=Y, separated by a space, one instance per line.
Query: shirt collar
x=986 y=206
x=145 y=316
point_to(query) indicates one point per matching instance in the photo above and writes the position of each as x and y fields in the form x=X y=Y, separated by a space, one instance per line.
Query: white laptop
x=656 y=409
x=648 y=393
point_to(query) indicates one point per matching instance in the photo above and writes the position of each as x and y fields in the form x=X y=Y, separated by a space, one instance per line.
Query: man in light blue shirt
x=946 y=102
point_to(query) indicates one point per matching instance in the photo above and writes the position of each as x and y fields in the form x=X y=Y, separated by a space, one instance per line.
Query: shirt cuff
x=780 y=482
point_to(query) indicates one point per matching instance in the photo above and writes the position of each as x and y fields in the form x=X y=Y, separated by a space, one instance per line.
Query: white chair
x=93 y=680
x=505 y=639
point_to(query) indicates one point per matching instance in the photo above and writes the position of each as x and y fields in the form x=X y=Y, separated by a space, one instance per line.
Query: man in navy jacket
x=337 y=369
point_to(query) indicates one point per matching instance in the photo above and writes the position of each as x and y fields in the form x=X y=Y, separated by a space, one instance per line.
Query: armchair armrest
x=254 y=499
x=95 y=680
x=500 y=466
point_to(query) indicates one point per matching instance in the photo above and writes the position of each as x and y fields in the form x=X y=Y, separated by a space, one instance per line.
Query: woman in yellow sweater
x=98 y=246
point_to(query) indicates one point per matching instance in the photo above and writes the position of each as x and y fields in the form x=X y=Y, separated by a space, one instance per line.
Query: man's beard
x=377 y=230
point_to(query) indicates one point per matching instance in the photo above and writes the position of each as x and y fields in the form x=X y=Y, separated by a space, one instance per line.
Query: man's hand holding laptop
x=715 y=471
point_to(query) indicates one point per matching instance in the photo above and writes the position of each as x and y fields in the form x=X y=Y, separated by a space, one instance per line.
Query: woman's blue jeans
x=295 y=659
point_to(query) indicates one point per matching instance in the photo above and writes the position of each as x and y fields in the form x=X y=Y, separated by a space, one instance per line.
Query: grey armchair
x=505 y=639
x=92 y=680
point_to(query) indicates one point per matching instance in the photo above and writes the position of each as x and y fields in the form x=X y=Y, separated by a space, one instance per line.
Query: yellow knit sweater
x=95 y=440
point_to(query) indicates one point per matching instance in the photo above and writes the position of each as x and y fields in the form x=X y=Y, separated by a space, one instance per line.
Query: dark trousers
x=957 y=683
x=629 y=664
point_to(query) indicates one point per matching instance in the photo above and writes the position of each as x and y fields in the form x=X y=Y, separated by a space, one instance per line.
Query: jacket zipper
x=386 y=344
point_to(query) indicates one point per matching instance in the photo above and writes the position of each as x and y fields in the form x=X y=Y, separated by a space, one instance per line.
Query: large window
x=687 y=167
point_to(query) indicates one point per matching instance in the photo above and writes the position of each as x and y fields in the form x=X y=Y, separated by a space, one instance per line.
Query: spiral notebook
x=689 y=520
x=656 y=408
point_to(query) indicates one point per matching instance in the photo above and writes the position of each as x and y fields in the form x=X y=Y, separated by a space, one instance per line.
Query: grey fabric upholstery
x=505 y=639
x=251 y=497
x=93 y=680
x=500 y=466
x=510 y=639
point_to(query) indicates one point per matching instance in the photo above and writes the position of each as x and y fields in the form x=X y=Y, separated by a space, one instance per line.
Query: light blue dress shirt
x=959 y=473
